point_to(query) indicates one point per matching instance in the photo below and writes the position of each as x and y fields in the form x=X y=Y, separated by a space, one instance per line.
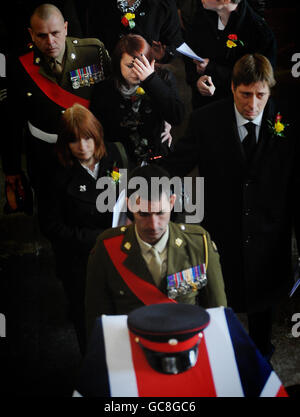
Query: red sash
x=53 y=91
x=146 y=292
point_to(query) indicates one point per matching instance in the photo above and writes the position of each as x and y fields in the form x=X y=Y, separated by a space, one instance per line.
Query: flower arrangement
x=114 y=174
x=128 y=20
x=233 y=41
x=277 y=127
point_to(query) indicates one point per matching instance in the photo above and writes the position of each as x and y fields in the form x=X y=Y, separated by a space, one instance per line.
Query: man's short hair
x=253 y=68
x=152 y=175
x=44 y=11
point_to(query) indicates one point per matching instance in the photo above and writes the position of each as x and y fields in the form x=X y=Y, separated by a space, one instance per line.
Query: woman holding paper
x=222 y=32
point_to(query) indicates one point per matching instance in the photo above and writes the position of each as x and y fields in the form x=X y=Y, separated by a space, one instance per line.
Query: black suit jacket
x=68 y=214
x=205 y=39
x=249 y=210
x=155 y=20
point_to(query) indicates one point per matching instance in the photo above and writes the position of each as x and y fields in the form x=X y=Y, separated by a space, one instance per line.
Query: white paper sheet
x=186 y=50
x=119 y=213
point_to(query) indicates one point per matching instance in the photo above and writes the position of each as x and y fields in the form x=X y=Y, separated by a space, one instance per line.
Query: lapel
x=134 y=261
x=44 y=68
x=67 y=68
x=69 y=60
x=229 y=131
x=178 y=258
x=82 y=185
x=265 y=141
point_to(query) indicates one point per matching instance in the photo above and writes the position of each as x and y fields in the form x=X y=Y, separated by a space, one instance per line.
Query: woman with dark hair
x=134 y=104
x=68 y=213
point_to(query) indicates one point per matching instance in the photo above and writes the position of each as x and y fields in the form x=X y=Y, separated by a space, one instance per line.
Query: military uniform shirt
x=161 y=248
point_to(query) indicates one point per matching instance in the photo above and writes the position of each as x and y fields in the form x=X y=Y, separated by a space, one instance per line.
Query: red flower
x=124 y=21
x=278 y=117
x=232 y=37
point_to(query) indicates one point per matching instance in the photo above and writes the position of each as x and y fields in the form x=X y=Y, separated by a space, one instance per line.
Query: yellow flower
x=279 y=127
x=230 y=44
x=140 y=91
x=115 y=175
x=130 y=16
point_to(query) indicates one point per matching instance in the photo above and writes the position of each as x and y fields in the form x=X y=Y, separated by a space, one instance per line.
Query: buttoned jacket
x=107 y=293
x=249 y=209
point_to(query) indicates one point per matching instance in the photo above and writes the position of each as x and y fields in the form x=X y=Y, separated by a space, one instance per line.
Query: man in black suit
x=250 y=191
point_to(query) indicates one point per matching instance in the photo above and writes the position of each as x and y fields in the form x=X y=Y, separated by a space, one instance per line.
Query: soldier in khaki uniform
x=123 y=273
x=55 y=72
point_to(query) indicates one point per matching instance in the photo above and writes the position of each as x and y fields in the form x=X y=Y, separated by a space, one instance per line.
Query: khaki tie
x=55 y=66
x=155 y=266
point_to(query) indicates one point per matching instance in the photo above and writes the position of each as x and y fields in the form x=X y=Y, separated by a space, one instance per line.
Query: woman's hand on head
x=142 y=67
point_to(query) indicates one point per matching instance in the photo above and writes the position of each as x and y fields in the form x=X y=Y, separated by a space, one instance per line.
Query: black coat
x=205 y=39
x=249 y=211
x=67 y=210
x=155 y=20
x=70 y=220
x=160 y=103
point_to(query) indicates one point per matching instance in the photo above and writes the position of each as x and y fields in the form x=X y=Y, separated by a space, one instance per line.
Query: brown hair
x=78 y=122
x=133 y=45
x=252 y=68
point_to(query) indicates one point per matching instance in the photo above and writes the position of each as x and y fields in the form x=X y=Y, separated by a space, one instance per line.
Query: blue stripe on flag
x=253 y=368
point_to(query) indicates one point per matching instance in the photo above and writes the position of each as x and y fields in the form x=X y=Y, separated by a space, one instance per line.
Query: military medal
x=74 y=80
x=186 y=281
x=86 y=76
x=90 y=75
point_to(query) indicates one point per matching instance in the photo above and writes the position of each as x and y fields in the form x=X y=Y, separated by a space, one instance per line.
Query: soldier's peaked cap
x=169 y=334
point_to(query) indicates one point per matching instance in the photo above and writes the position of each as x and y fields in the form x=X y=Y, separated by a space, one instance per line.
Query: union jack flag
x=228 y=365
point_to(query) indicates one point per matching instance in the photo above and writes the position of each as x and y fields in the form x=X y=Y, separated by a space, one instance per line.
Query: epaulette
x=112 y=232
x=191 y=228
x=86 y=42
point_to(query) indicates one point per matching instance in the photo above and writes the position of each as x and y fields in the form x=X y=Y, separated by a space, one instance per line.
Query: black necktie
x=249 y=143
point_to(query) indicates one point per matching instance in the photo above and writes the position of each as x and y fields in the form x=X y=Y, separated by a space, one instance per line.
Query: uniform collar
x=159 y=246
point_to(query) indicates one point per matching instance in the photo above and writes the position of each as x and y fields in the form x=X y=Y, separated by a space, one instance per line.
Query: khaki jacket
x=107 y=293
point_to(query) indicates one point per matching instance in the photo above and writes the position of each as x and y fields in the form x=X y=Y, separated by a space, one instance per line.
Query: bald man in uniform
x=55 y=72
